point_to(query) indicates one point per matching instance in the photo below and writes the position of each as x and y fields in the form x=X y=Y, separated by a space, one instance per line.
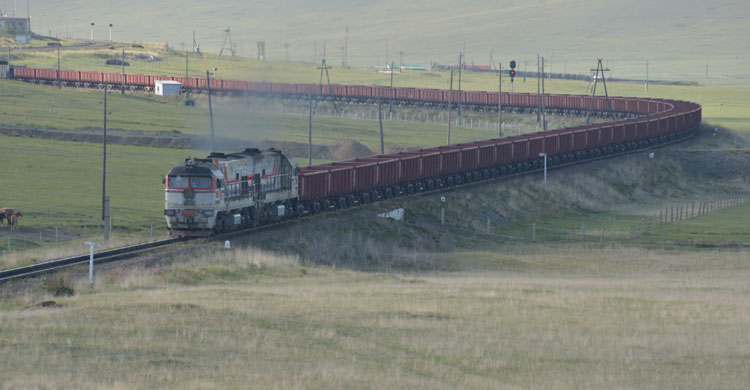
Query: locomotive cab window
x=200 y=182
x=178 y=181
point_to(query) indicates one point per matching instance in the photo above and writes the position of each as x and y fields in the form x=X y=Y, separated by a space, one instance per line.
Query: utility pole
x=325 y=68
x=450 y=108
x=544 y=117
x=599 y=68
x=390 y=103
x=309 y=130
x=386 y=53
x=92 y=31
x=500 y=99
x=58 y=68
x=210 y=111
x=401 y=59
x=460 y=66
x=380 y=120
x=346 y=47
x=538 y=90
x=110 y=33
x=123 y=70
x=706 y=83
x=105 y=200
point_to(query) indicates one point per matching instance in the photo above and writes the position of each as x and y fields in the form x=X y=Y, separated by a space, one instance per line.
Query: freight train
x=476 y=100
x=251 y=188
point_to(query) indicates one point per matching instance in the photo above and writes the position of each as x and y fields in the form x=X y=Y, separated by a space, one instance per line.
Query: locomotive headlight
x=207 y=213
x=170 y=212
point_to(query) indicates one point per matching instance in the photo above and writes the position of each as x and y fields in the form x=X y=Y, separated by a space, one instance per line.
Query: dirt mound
x=346 y=149
x=164 y=139
x=340 y=150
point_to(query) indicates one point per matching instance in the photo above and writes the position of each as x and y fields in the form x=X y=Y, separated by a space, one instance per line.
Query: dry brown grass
x=532 y=317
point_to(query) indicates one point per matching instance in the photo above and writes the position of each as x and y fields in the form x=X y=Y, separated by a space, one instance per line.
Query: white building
x=167 y=87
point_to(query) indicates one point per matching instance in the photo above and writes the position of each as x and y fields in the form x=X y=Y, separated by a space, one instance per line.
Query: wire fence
x=27 y=239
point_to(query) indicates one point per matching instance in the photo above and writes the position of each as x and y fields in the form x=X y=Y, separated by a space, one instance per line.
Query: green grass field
x=677 y=38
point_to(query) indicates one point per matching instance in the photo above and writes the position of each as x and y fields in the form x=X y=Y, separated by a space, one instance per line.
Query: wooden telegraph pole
x=450 y=107
x=500 y=99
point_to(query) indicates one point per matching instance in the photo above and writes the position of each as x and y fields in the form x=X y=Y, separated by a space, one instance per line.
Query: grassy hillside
x=678 y=38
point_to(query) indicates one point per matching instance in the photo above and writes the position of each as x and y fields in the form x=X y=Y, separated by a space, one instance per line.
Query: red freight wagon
x=618 y=133
x=430 y=163
x=551 y=144
x=234 y=85
x=487 y=154
x=365 y=174
x=606 y=136
x=663 y=125
x=406 y=93
x=70 y=75
x=411 y=166
x=92 y=77
x=565 y=142
x=431 y=95
x=383 y=92
x=450 y=162
x=536 y=146
x=579 y=140
x=469 y=157
x=340 y=179
x=652 y=128
x=140 y=80
x=112 y=78
x=630 y=131
x=641 y=130
x=593 y=138
x=505 y=152
x=388 y=169
x=46 y=74
x=24 y=73
x=358 y=91
x=312 y=184
x=476 y=97
x=520 y=150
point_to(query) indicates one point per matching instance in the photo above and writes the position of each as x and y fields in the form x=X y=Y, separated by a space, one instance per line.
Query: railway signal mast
x=512 y=73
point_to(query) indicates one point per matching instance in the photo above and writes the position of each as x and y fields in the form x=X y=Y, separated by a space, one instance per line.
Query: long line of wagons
x=364 y=93
x=227 y=191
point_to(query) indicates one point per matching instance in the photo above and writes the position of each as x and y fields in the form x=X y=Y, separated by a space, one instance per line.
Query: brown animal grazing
x=13 y=220
x=6 y=214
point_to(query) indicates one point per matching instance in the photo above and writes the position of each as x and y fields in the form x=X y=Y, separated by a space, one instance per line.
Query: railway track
x=105 y=256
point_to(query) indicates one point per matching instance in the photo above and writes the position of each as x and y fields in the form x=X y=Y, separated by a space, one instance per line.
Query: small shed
x=167 y=87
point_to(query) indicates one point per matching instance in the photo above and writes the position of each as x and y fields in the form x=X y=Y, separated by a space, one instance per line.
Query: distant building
x=167 y=87
x=4 y=69
x=13 y=26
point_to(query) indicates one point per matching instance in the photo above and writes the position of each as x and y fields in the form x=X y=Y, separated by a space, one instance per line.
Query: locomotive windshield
x=190 y=181
x=178 y=181
x=200 y=182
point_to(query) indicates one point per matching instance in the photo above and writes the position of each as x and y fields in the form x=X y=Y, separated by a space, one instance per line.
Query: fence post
x=533 y=232
x=583 y=231
x=692 y=210
x=660 y=223
x=664 y=241
x=488 y=226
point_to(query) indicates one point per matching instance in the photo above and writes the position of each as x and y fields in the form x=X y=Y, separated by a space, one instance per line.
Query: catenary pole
x=210 y=111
